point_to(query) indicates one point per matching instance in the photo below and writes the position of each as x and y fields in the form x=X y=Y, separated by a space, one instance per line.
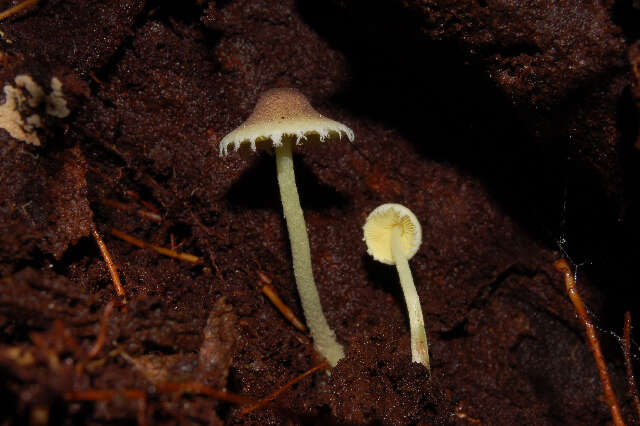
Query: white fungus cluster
x=16 y=113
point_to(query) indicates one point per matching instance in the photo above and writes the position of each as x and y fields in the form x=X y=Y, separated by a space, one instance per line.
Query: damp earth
x=510 y=129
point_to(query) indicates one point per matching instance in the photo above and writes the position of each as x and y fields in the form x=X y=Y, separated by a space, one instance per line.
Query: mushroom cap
x=377 y=232
x=279 y=113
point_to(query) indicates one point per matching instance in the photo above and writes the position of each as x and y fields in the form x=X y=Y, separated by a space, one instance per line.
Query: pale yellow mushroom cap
x=283 y=112
x=377 y=232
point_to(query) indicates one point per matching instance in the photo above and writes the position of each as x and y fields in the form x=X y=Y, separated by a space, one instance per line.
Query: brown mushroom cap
x=283 y=112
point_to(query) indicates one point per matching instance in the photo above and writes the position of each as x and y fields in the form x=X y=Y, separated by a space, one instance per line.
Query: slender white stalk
x=419 y=347
x=324 y=338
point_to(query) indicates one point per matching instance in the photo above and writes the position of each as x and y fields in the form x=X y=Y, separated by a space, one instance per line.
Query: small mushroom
x=393 y=235
x=282 y=118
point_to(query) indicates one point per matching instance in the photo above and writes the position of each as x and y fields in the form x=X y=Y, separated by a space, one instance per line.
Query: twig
x=286 y=312
x=103 y=330
x=272 y=295
x=199 y=388
x=626 y=349
x=145 y=214
x=103 y=394
x=95 y=78
x=263 y=277
x=290 y=383
x=562 y=266
x=136 y=197
x=162 y=250
x=462 y=415
x=99 y=173
x=110 y=265
x=177 y=246
x=17 y=8
x=154 y=217
x=215 y=265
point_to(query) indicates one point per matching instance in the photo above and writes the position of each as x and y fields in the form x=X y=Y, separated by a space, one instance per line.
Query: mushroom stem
x=324 y=338
x=419 y=348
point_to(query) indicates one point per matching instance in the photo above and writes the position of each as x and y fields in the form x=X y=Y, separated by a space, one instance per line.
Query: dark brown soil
x=509 y=128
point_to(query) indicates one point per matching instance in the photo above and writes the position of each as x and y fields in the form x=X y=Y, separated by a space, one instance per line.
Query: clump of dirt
x=508 y=131
x=376 y=365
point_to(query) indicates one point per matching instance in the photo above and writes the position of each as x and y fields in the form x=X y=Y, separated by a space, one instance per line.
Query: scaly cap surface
x=279 y=113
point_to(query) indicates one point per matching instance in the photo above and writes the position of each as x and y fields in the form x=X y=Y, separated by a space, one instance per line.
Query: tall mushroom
x=393 y=235
x=282 y=118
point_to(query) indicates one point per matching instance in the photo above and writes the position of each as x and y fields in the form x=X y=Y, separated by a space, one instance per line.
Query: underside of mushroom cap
x=282 y=113
x=378 y=227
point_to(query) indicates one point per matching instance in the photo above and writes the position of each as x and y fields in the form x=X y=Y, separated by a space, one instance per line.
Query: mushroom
x=393 y=235
x=282 y=118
